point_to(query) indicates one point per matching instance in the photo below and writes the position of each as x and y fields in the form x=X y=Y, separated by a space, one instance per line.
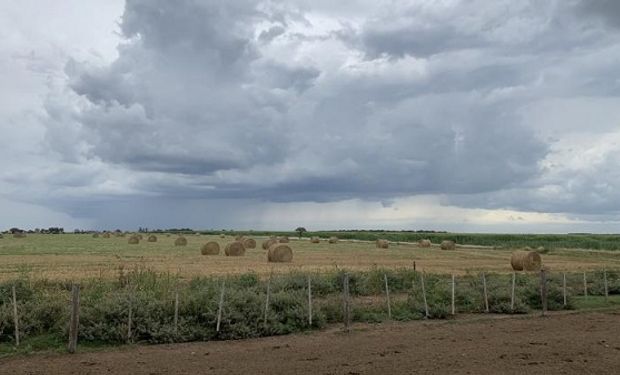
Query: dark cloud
x=608 y=10
x=192 y=94
x=271 y=34
x=414 y=39
x=213 y=100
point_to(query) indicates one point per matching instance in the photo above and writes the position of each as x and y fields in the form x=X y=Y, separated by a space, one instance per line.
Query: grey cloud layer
x=223 y=99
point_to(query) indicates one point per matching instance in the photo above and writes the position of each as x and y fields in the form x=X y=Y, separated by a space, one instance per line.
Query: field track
x=573 y=343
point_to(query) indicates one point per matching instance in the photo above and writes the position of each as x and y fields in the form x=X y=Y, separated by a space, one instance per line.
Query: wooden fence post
x=564 y=287
x=309 y=302
x=176 y=310
x=605 y=284
x=453 y=293
x=426 y=314
x=543 y=291
x=15 y=317
x=486 y=294
x=267 y=297
x=346 y=303
x=512 y=291
x=585 y=285
x=387 y=296
x=219 y=310
x=74 y=323
x=129 y=315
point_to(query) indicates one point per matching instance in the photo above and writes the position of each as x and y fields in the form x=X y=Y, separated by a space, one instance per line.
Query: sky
x=458 y=115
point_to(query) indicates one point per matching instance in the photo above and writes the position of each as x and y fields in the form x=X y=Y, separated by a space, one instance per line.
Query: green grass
x=596 y=302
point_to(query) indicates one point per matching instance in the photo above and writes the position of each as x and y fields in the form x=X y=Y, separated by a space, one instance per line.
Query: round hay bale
x=96 y=235
x=152 y=238
x=333 y=240
x=267 y=243
x=448 y=245
x=222 y=236
x=280 y=253
x=283 y=239
x=315 y=240
x=133 y=240
x=210 y=248
x=106 y=235
x=383 y=244
x=249 y=243
x=424 y=243
x=234 y=249
x=180 y=241
x=525 y=261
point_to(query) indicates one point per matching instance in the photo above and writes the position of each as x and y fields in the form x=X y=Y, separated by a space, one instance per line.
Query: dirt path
x=561 y=344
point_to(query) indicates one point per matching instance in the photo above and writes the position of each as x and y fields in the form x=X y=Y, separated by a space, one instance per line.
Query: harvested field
x=531 y=345
x=66 y=257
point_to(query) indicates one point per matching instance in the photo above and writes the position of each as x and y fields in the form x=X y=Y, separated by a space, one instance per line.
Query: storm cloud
x=267 y=102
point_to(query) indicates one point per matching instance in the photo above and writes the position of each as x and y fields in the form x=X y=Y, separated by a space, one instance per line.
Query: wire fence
x=144 y=306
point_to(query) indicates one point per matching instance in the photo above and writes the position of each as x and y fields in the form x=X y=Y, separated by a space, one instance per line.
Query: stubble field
x=74 y=257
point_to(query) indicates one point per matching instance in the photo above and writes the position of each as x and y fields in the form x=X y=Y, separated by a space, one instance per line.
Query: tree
x=300 y=231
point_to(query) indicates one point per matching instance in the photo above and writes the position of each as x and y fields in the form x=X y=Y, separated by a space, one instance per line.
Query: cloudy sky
x=463 y=115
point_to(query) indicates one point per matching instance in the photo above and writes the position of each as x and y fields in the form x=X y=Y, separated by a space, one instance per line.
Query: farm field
x=75 y=257
x=490 y=345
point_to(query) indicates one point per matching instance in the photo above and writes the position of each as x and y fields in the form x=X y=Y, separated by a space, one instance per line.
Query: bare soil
x=585 y=343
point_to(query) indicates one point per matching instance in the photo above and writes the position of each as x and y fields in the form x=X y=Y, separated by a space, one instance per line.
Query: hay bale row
x=382 y=244
x=424 y=243
x=249 y=243
x=210 y=248
x=525 y=261
x=267 y=243
x=280 y=253
x=448 y=245
x=180 y=241
x=234 y=249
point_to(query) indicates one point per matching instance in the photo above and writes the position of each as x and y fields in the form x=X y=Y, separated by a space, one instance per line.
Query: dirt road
x=560 y=344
